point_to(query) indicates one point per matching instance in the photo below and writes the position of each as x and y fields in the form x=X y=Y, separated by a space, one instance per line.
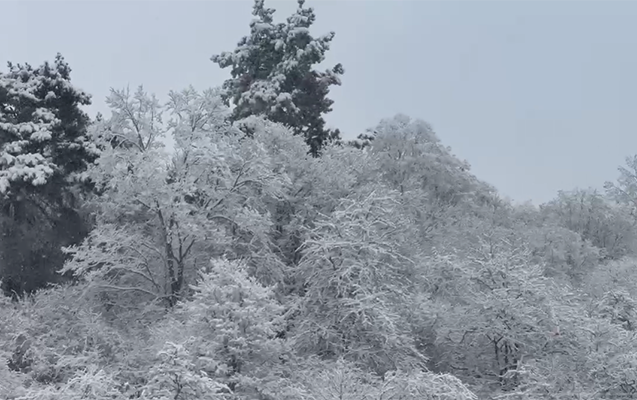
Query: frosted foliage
x=355 y=277
x=192 y=111
x=136 y=119
x=176 y=377
x=410 y=156
x=285 y=38
x=503 y=311
x=625 y=190
x=52 y=337
x=435 y=186
x=28 y=144
x=272 y=74
x=344 y=381
x=17 y=163
x=606 y=224
x=231 y=321
x=286 y=150
x=92 y=383
x=611 y=364
x=132 y=172
x=209 y=197
x=564 y=252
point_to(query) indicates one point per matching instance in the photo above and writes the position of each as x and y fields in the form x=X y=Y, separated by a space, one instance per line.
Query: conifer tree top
x=42 y=127
x=272 y=74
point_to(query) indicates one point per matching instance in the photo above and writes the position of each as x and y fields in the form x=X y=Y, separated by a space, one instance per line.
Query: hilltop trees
x=608 y=225
x=236 y=265
x=272 y=74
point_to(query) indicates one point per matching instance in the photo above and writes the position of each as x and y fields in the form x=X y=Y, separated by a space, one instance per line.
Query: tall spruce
x=273 y=75
x=43 y=151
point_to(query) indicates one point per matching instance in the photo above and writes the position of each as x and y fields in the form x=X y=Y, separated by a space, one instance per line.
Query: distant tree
x=43 y=151
x=434 y=184
x=624 y=191
x=606 y=224
x=272 y=75
x=364 y=140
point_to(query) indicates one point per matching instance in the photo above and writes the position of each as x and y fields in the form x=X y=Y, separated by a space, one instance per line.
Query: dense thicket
x=242 y=267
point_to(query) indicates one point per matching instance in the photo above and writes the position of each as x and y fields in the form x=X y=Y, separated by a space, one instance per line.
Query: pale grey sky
x=538 y=96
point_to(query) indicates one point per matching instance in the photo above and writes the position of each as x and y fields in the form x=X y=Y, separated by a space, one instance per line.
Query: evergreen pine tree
x=43 y=149
x=272 y=74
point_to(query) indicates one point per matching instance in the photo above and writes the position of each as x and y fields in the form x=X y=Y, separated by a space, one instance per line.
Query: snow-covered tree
x=564 y=253
x=43 y=149
x=53 y=338
x=175 y=376
x=272 y=74
x=340 y=379
x=625 y=189
x=607 y=225
x=130 y=176
x=612 y=290
x=498 y=313
x=160 y=217
x=437 y=189
x=225 y=332
x=43 y=128
x=355 y=276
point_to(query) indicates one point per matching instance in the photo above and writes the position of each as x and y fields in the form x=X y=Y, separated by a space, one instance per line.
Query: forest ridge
x=264 y=257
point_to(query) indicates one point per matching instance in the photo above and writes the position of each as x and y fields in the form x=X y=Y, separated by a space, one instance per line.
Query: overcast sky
x=538 y=96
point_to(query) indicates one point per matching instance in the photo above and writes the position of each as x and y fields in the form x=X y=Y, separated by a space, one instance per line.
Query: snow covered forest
x=227 y=245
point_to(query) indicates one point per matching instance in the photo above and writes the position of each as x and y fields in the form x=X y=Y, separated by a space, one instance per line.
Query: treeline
x=265 y=257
